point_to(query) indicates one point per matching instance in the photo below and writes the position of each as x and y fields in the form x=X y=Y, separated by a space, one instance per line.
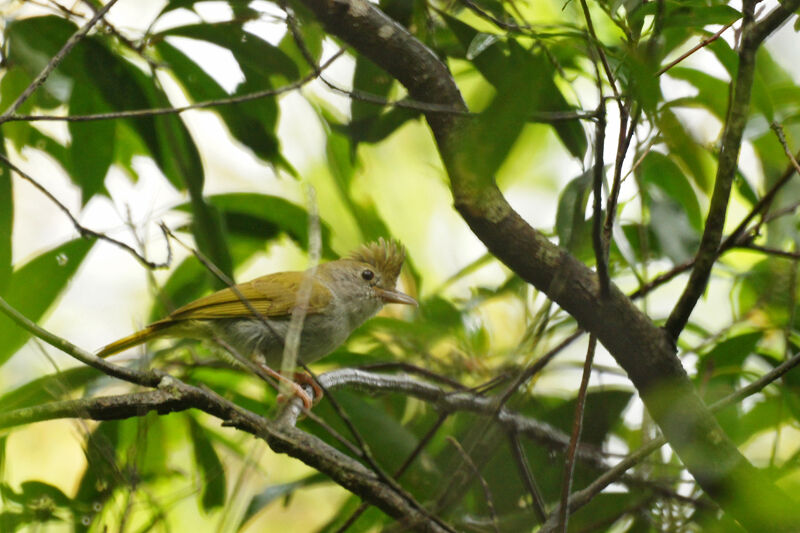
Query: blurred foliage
x=528 y=71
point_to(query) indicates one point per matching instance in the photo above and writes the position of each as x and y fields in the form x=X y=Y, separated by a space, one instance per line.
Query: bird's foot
x=296 y=383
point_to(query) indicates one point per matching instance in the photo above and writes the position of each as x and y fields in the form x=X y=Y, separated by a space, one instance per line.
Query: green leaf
x=766 y=286
x=571 y=213
x=186 y=283
x=90 y=150
x=312 y=34
x=251 y=221
x=34 y=288
x=49 y=388
x=31 y=42
x=602 y=413
x=259 y=60
x=6 y=223
x=265 y=217
x=529 y=89
x=14 y=81
x=370 y=79
x=670 y=224
x=252 y=123
x=731 y=352
x=338 y=151
x=682 y=147
x=712 y=92
x=271 y=493
x=211 y=470
x=697 y=16
x=660 y=171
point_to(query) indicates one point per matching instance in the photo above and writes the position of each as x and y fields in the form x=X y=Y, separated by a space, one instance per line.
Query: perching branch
x=172 y=395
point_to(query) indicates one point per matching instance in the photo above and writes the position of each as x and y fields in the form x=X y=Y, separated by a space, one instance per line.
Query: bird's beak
x=390 y=296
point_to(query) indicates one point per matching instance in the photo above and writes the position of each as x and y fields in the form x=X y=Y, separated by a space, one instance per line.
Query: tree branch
x=727 y=166
x=55 y=61
x=642 y=349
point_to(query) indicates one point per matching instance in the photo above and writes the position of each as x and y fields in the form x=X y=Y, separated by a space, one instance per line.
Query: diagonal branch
x=753 y=34
x=171 y=395
x=727 y=166
x=641 y=348
x=56 y=60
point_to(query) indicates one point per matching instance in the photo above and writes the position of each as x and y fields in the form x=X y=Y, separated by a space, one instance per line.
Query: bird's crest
x=386 y=257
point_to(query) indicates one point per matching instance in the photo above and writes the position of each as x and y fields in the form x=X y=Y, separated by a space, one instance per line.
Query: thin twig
x=584 y=496
x=177 y=110
x=421 y=445
x=597 y=205
x=56 y=60
x=735 y=121
x=147 y=378
x=701 y=44
x=523 y=467
x=487 y=493
x=83 y=231
x=769 y=251
x=577 y=428
x=600 y=52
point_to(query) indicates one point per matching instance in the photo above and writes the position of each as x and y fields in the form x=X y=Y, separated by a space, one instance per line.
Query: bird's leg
x=304 y=379
x=298 y=390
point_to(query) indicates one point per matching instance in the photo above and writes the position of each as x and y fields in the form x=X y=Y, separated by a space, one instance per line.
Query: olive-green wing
x=272 y=296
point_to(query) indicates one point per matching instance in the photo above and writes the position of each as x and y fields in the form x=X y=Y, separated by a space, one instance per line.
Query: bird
x=343 y=294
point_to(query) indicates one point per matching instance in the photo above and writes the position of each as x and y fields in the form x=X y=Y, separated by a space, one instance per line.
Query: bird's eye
x=367 y=275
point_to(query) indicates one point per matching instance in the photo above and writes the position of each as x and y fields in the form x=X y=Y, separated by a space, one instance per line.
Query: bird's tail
x=150 y=332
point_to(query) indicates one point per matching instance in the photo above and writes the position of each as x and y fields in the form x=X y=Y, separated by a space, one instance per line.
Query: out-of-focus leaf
x=6 y=222
x=530 y=88
x=669 y=222
x=37 y=490
x=689 y=15
x=660 y=171
x=571 y=213
x=91 y=148
x=264 y=217
x=712 y=92
x=766 y=415
x=338 y=150
x=743 y=187
x=479 y=43
x=35 y=286
x=186 y=283
x=697 y=16
x=731 y=352
x=31 y=42
x=15 y=80
x=103 y=475
x=376 y=129
x=252 y=123
x=388 y=439
x=206 y=458
x=370 y=520
x=258 y=59
x=765 y=289
x=370 y=79
x=600 y=513
x=311 y=33
x=601 y=414
x=241 y=10
x=683 y=148
x=262 y=499
x=48 y=388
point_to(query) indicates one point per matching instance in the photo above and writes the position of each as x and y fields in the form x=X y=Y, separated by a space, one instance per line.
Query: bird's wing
x=272 y=296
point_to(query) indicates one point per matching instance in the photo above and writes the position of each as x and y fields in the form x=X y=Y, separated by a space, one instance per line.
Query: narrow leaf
x=34 y=288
